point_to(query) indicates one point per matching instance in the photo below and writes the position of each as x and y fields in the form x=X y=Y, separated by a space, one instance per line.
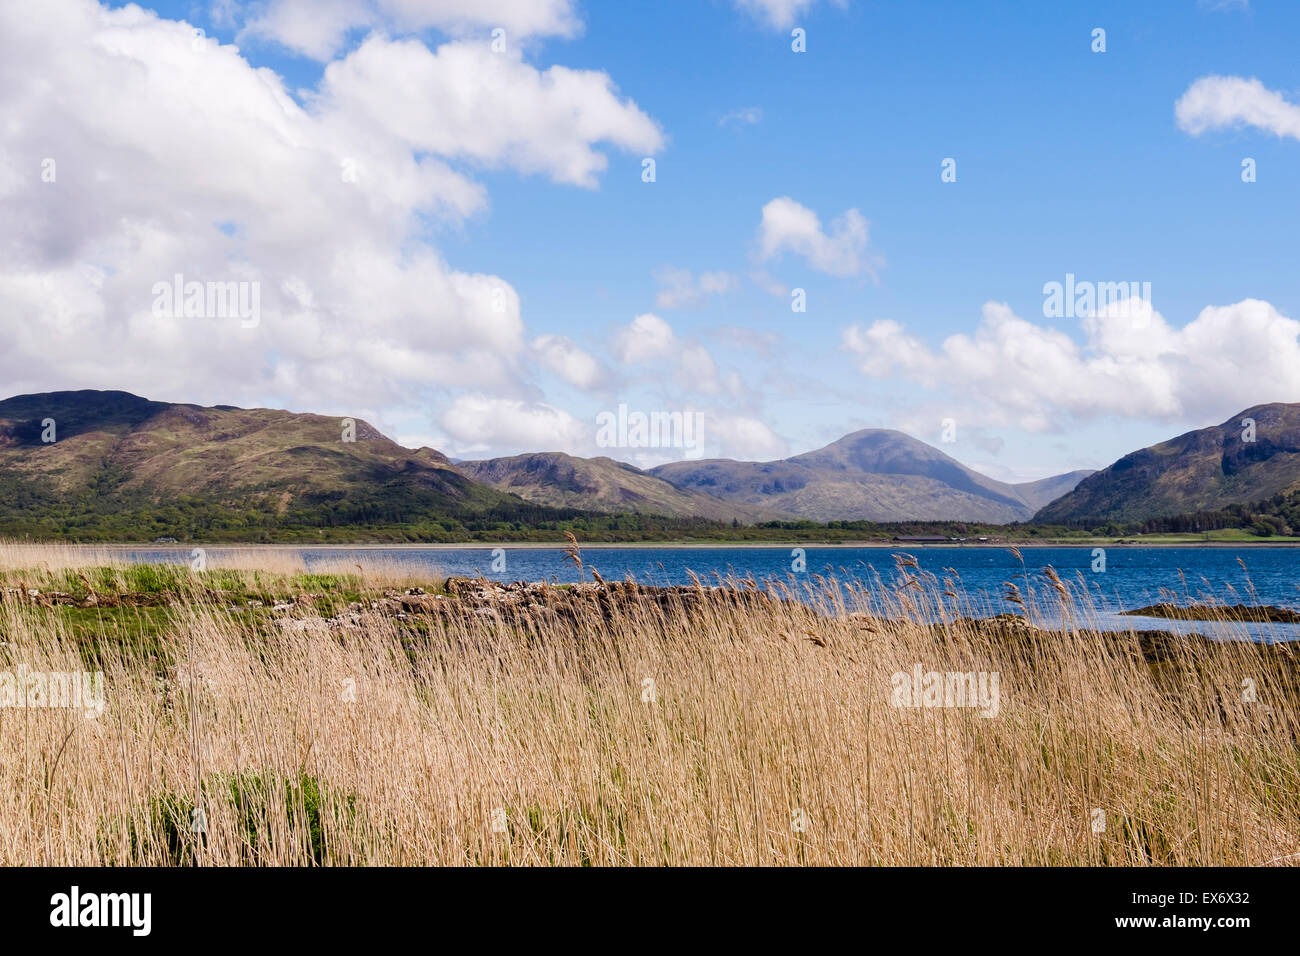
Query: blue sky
x=1067 y=161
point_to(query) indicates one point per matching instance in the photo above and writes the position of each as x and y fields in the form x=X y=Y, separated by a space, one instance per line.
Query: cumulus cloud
x=1219 y=102
x=680 y=287
x=645 y=339
x=463 y=101
x=478 y=423
x=649 y=340
x=699 y=370
x=570 y=362
x=721 y=434
x=319 y=28
x=1036 y=377
x=169 y=154
x=787 y=226
x=745 y=438
x=779 y=14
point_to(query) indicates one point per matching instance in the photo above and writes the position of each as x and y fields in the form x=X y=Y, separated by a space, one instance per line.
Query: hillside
x=1204 y=470
x=869 y=475
x=117 y=454
x=601 y=484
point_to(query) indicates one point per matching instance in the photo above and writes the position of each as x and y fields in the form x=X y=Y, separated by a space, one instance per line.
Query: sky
x=483 y=224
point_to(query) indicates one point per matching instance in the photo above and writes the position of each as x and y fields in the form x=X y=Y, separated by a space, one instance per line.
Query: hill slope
x=115 y=452
x=870 y=475
x=601 y=484
x=1202 y=470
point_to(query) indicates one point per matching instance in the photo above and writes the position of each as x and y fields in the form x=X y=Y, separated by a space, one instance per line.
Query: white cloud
x=176 y=156
x=779 y=14
x=697 y=370
x=885 y=345
x=224 y=13
x=1013 y=372
x=570 y=362
x=722 y=434
x=680 y=288
x=1218 y=102
x=649 y=340
x=743 y=116
x=480 y=423
x=645 y=339
x=466 y=102
x=787 y=226
x=477 y=425
x=744 y=438
x=319 y=28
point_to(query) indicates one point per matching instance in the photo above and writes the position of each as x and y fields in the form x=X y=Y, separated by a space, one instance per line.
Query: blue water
x=1133 y=576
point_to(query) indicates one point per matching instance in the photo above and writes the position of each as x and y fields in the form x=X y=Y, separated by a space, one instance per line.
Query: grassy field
x=257 y=714
x=1222 y=536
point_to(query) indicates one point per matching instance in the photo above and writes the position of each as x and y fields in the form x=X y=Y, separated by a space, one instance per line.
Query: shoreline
x=644 y=545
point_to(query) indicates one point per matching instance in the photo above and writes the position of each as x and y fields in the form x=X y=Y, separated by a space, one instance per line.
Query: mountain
x=601 y=484
x=1042 y=492
x=114 y=453
x=1202 y=470
x=870 y=475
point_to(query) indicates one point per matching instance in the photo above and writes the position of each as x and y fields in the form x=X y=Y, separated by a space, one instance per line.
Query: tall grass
x=63 y=566
x=713 y=726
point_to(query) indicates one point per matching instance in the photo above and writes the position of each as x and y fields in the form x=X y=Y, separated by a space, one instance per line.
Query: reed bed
x=732 y=725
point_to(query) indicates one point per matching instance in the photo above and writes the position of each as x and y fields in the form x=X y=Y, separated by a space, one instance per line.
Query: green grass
x=172 y=831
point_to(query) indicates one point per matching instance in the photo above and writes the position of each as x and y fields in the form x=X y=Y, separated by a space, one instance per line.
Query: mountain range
x=871 y=475
x=68 y=455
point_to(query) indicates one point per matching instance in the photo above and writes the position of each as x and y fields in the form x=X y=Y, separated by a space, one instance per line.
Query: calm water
x=1133 y=576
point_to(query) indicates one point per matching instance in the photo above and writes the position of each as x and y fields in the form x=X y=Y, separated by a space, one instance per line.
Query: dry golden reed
x=727 y=727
